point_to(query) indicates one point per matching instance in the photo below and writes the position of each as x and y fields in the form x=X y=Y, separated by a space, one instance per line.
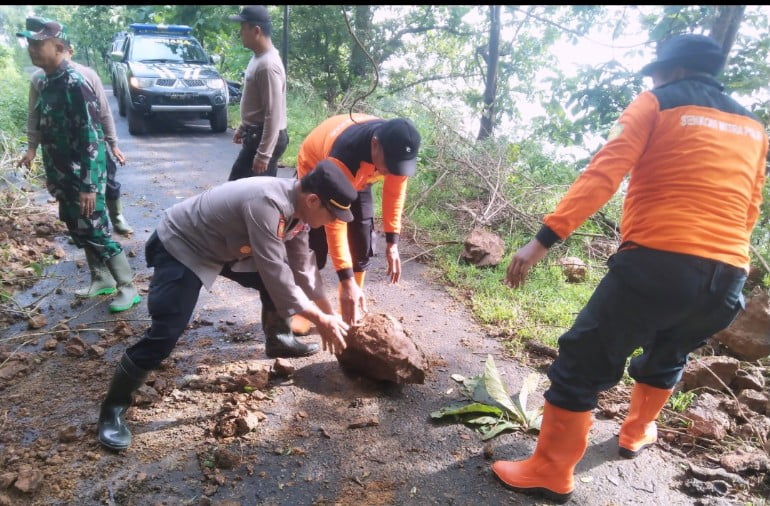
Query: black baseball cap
x=333 y=188
x=691 y=51
x=254 y=14
x=400 y=143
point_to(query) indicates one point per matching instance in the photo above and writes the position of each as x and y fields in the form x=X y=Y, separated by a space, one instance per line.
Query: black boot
x=279 y=339
x=113 y=432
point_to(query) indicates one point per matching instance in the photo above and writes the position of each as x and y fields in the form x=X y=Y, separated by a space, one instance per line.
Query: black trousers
x=173 y=294
x=113 y=187
x=243 y=163
x=668 y=304
x=361 y=234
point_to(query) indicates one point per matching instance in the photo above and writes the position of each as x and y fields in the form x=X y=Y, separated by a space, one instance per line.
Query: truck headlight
x=142 y=82
x=215 y=84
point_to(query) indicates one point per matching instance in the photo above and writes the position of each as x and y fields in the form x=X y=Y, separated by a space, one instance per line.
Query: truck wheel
x=218 y=120
x=137 y=124
x=121 y=104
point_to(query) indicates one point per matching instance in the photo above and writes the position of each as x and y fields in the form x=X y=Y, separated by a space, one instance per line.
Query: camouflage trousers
x=92 y=232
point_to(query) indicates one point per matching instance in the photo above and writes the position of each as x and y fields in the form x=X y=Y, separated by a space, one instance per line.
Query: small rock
x=755 y=401
x=745 y=460
x=7 y=479
x=28 y=480
x=225 y=459
x=574 y=269
x=283 y=367
x=68 y=434
x=37 y=322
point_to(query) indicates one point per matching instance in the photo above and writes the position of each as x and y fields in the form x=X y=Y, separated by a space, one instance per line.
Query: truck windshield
x=167 y=49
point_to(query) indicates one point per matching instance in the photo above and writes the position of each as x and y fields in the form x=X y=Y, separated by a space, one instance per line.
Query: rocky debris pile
x=27 y=233
x=381 y=349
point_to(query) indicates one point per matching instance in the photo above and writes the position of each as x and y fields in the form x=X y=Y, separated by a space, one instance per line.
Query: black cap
x=254 y=14
x=400 y=143
x=691 y=51
x=42 y=29
x=333 y=188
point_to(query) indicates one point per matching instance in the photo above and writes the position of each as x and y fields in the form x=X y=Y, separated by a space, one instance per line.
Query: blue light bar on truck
x=153 y=28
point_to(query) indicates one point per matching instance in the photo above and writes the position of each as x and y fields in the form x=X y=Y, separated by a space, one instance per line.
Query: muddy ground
x=314 y=436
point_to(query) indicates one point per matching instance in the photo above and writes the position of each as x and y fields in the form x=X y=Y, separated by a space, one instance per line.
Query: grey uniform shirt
x=246 y=221
x=263 y=101
x=92 y=78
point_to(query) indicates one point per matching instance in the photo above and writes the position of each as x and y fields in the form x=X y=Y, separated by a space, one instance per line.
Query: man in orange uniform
x=697 y=165
x=366 y=149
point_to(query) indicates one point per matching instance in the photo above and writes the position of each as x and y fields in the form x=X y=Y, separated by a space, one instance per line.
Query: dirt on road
x=219 y=425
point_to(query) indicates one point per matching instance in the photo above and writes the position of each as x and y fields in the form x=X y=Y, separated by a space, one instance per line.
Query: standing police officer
x=262 y=132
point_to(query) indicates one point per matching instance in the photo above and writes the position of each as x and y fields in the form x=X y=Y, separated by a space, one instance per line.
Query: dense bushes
x=13 y=98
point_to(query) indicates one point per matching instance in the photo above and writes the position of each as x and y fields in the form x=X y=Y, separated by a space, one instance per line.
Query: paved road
x=405 y=459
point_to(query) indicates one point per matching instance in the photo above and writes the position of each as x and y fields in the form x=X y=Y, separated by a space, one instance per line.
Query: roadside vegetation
x=504 y=182
x=503 y=176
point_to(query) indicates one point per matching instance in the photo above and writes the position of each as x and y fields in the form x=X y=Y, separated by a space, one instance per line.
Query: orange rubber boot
x=639 y=429
x=562 y=442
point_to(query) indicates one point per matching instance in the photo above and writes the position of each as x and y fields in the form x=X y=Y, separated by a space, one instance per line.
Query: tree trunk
x=725 y=26
x=490 y=80
x=362 y=24
x=285 y=40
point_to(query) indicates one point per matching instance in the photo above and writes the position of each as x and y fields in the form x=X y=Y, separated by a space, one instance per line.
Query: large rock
x=380 y=348
x=715 y=372
x=483 y=248
x=748 y=337
x=707 y=419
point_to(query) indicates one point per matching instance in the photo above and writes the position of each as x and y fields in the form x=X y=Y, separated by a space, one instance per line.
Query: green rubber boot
x=102 y=282
x=119 y=223
x=128 y=295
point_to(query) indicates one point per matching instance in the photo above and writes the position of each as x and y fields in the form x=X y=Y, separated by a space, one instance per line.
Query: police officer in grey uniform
x=255 y=232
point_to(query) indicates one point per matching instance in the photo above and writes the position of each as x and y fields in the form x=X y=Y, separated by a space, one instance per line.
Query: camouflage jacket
x=70 y=134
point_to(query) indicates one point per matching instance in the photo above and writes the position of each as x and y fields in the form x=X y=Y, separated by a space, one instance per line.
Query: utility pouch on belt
x=252 y=135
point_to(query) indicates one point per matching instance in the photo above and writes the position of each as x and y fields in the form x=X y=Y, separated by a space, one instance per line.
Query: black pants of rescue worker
x=361 y=234
x=242 y=167
x=174 y=291
x=667 y=304
x=113 y=187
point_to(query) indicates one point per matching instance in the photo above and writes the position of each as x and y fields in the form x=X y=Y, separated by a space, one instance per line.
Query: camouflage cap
x=38 y=28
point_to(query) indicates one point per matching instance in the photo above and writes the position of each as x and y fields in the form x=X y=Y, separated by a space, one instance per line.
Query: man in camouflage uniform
x=114 y=206
x=74 y=158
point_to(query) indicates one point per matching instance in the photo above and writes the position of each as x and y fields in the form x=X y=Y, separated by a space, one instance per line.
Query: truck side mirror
x=116 y=56
x=215 y=59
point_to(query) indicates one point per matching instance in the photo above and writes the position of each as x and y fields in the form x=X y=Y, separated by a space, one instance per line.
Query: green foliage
x=488 y=398
x=13 y=99
x=680 y=401
x=305 y=111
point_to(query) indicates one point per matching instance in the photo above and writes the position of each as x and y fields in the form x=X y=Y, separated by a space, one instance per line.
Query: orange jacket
x=697 y=165
x=354 y=149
